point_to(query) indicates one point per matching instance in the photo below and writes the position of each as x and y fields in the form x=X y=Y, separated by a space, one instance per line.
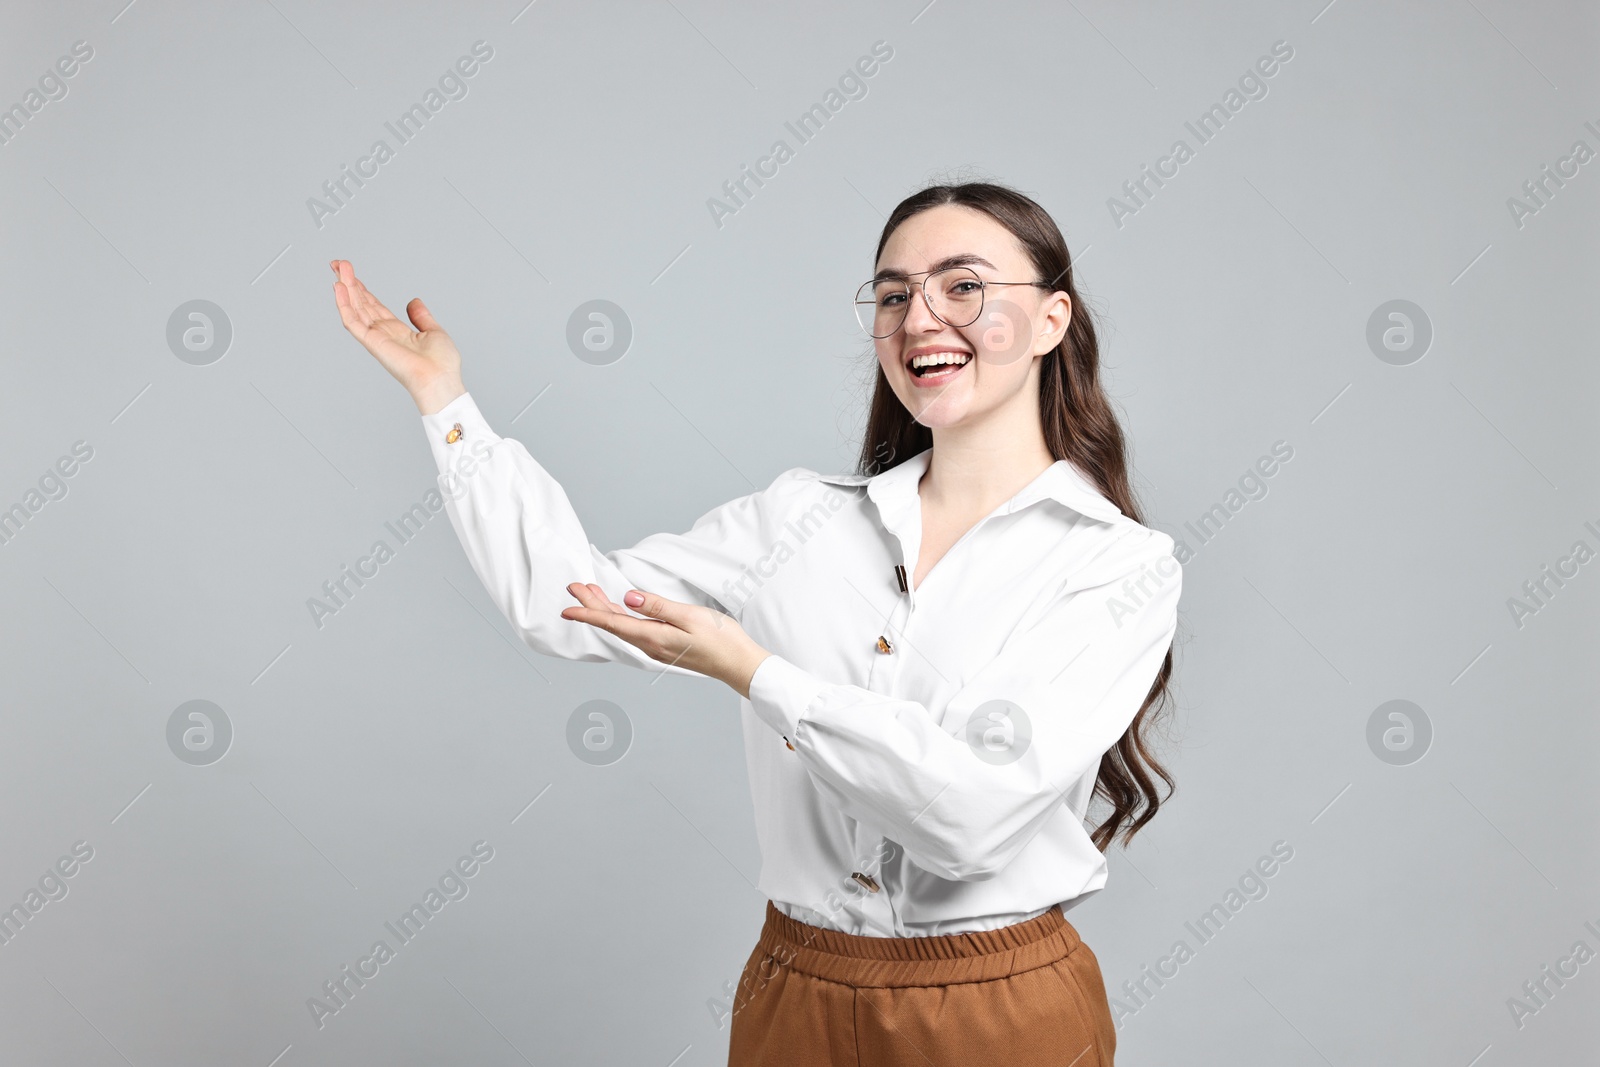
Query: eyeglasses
x=954 y=296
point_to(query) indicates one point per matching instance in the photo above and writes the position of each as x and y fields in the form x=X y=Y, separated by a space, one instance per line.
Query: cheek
x=1003 y=340
x=1002 y=366
x=888 y=353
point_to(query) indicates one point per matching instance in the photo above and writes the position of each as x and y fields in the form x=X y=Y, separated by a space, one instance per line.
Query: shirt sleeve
x=526 y=544
x=1078 y=673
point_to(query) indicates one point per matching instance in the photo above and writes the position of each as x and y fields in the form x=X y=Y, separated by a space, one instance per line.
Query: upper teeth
x=933 y=359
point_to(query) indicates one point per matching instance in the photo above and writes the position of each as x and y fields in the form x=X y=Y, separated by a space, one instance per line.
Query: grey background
x=371 y=753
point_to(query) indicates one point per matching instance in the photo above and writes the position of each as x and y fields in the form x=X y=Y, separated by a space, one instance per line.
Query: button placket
x=888 y=650
x=872 y=900
x=898 y=620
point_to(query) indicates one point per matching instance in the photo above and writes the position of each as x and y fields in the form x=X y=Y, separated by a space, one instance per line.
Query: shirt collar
x=895 y=489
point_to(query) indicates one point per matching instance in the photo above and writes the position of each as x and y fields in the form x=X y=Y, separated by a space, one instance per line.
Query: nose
x=919 y=316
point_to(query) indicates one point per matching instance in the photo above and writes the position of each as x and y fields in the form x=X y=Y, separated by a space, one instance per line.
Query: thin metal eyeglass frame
x=984 y=283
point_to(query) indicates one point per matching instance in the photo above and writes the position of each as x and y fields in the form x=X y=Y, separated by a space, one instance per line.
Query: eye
x=893 y=299
x=964 y=287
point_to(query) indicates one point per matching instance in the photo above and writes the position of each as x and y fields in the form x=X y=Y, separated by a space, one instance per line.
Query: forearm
x=522 y=537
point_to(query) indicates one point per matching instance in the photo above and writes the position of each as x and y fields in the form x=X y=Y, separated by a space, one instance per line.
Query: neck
x=979 y=464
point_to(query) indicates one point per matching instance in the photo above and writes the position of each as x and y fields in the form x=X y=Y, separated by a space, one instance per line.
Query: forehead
x=947 y=233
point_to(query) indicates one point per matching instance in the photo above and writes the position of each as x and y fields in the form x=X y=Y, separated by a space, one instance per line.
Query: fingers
x=373 y=306
x=655 y=608
x=348 y=291
x=346 y=274
x=341 y=296
x=643 y=633
x=347 y=314
x=658 y=636
x=592 y=596
x=658 y=607
x=596 y=606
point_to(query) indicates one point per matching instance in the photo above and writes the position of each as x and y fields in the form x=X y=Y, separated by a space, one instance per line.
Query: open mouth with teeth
x=936 y=366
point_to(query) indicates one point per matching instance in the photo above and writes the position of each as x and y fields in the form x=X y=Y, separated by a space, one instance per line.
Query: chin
x=942 y=411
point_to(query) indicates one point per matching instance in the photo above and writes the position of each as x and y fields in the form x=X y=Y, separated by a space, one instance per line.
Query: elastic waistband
x=948 y=959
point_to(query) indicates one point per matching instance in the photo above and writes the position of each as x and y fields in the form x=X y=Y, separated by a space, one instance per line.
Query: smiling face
x=988 y=368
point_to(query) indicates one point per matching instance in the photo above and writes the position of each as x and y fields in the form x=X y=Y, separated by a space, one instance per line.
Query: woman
x=920 y=779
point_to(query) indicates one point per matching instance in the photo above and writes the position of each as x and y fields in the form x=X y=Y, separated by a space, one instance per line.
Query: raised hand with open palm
x=424 y=359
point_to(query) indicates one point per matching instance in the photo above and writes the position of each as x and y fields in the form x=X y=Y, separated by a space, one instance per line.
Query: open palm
x=423 y=359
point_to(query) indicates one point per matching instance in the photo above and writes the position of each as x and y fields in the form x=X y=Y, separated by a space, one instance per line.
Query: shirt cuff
x=781 y=693
x=440 y=426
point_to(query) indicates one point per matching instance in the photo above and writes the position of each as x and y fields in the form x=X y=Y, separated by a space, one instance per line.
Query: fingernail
x=633 y=598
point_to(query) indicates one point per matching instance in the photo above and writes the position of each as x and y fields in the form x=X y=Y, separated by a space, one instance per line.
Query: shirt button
x=884 y=646
x=786 y=742
x=454 y=435
x=865 y=880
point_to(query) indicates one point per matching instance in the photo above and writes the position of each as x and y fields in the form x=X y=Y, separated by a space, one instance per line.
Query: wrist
x=433 y=396
x=746 y=669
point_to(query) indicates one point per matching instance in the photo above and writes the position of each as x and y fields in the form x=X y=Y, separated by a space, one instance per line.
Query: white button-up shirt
x=921 y=760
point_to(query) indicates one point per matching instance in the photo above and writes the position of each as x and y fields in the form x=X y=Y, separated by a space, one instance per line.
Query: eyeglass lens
x=954 y=295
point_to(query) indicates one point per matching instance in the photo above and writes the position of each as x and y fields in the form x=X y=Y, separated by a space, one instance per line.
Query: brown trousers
x=1025 y=995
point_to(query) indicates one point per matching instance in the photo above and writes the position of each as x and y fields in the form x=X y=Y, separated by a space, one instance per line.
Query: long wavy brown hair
x=1079 y=425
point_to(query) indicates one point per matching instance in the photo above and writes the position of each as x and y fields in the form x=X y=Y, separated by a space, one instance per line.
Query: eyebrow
x=962 y=259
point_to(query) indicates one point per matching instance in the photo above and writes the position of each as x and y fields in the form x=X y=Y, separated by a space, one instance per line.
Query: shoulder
x=790 y=495
x=808 y=475
x=798 y=483
x=1123 y=547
